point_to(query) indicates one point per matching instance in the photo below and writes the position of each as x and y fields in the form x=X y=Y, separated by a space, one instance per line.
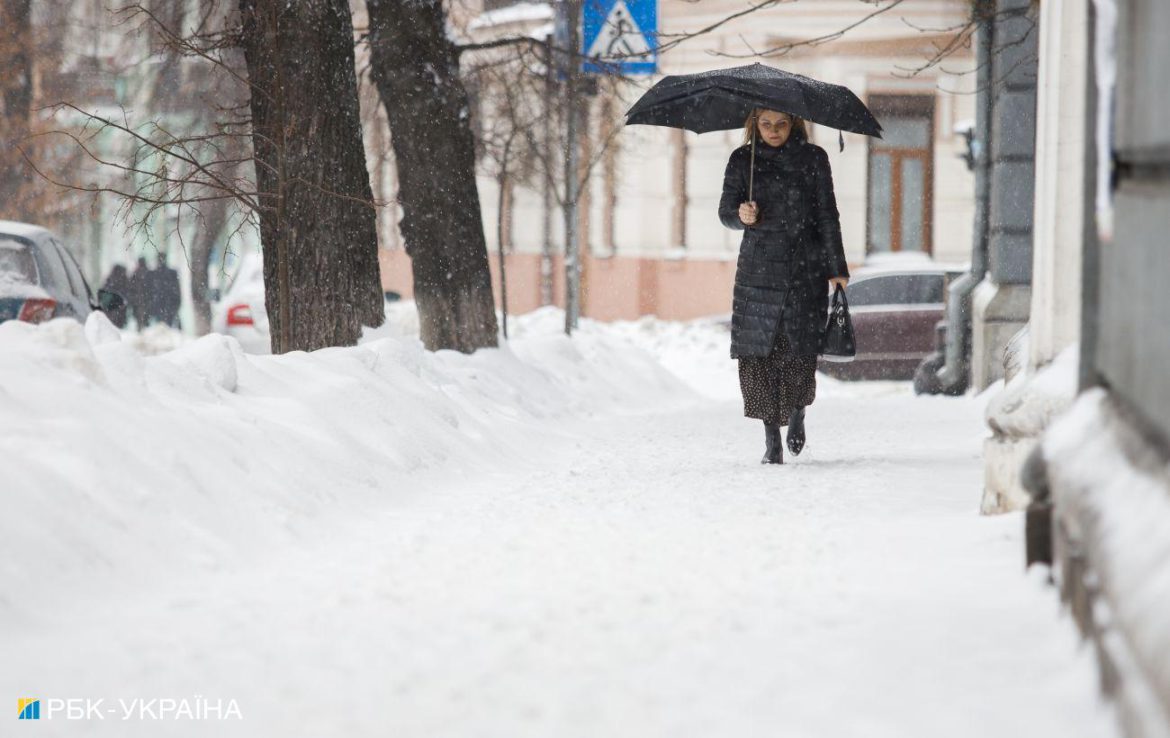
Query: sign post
x=605 y=37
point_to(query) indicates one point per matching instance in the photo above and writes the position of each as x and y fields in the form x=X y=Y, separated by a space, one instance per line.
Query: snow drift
x=121 y=466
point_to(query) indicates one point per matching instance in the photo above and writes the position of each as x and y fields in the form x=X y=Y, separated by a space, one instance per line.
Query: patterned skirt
x=778 y=383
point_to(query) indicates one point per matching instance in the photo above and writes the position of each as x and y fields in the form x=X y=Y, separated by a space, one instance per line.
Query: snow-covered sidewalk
x=628 y=571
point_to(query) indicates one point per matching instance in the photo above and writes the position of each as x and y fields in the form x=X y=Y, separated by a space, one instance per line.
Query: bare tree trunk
x=215 y=216
x=317 y=225
x=416 y=69
x=16 y=92
x=571 y=161
x=501 y=214
x=546 y=247
x=584 y=208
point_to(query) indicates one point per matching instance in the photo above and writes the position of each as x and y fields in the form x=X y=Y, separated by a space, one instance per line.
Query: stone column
x=1002 y=301
x=1058 y=231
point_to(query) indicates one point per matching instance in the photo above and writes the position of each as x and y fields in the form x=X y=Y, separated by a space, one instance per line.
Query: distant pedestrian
x=118 y=280
x=165 y=294
x=138 y=293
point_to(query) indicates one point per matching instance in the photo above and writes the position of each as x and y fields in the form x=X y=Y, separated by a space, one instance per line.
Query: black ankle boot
x=796 y=431
x=774 y=452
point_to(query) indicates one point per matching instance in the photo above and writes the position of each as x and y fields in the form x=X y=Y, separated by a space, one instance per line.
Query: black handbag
x=839 y=343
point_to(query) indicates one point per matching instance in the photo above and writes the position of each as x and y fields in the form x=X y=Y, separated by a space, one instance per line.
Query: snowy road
x=639 y=575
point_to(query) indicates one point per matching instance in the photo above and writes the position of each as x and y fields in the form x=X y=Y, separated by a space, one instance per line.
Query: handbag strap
x=839 y=298
x=840 y=306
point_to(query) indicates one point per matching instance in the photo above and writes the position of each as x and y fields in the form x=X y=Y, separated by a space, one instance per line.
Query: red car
x=895 y=312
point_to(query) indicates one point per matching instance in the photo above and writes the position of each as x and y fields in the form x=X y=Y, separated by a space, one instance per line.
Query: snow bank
x=381 y=540
x=121 y=465
x=1110 y=489
x=131 y=456
x=696 y=351
x=1029 y=402
x=1017 y=414
x=156 y=339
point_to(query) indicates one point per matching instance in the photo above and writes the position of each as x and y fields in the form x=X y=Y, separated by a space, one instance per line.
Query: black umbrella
x=722 y=99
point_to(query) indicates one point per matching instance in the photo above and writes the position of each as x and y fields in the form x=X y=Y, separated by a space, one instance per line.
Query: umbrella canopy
x=722 y=99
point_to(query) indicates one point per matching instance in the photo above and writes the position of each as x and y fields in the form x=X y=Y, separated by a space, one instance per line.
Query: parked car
x=240 y=312
x=895 y=310
x=40 y=279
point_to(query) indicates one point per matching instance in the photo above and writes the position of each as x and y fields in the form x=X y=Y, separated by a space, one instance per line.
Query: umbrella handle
x=752 y=167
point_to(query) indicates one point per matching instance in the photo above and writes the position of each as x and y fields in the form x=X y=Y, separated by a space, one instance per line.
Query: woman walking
x=789 y=259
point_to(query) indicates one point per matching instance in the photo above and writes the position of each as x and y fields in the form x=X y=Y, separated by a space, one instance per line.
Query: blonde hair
x=749 y=124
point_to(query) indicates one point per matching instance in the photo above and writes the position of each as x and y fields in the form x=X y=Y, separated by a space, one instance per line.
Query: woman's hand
x=838 y=281
x=749 y=212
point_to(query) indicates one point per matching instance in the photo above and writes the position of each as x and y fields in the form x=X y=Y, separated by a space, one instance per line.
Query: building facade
x=651 y=242
x=1081 y=430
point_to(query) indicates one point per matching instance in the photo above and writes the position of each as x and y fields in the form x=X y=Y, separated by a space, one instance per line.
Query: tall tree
x=16 y=94
x=317 y=226
x=415 y=67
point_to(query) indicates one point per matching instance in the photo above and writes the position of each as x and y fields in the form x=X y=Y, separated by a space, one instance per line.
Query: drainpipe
x=955 y=375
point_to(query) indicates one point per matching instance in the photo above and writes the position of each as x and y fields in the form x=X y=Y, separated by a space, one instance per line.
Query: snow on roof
x=905 y=261
x=23 y=230
x=518 y=13
x=542 y=31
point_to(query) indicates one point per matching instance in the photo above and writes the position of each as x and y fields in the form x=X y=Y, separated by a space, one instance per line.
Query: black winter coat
x=788 y=256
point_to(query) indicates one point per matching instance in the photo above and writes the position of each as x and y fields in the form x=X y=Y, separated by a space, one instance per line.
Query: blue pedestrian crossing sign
x=621 y=35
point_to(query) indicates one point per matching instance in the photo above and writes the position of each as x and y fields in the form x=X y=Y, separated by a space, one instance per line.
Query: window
x=896 y=289
x=51 y=267
x=73 y=273
x=925 y=288
x=900 y=172
x=16 y=263
x=76 y=278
